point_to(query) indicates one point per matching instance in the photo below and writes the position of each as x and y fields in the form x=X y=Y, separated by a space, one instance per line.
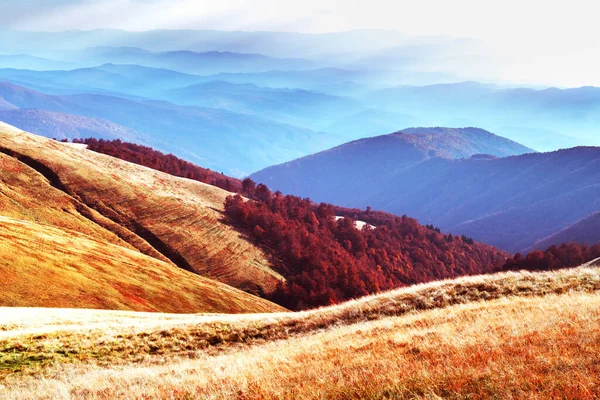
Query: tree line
x=327 y=260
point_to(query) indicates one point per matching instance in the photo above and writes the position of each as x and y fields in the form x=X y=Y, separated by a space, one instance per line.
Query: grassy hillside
x=323 y=258
x=44 y=266
x=507 y=335
x=174 y=220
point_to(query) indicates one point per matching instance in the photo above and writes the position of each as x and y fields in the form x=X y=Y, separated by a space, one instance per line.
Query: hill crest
x=174 y=221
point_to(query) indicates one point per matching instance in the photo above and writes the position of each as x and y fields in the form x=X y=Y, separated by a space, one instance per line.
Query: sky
x=541 y=41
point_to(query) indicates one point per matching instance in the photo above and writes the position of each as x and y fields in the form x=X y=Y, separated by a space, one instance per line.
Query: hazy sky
x=549 y=41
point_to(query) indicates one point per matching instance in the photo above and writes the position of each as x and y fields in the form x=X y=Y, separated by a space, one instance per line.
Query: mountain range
x=191 y=62
x=67 y=126
x=505 y=198
x=543 y=119
x=237 y=102
x=272 y=44
x=208 y=135
x=354 y=105
x=297 y=106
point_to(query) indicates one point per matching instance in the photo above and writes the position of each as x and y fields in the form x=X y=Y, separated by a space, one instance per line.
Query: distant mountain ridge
x=275 y=44
x=585 y=231
x=354 y=161
x=211 y=137
x=298 y=106
x=544 y=119
x=187 y=61
x=67 y=126
x=25 y=61
x=510 y=202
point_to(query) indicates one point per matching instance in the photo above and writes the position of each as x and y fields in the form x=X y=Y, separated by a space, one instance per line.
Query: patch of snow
x=359 y=224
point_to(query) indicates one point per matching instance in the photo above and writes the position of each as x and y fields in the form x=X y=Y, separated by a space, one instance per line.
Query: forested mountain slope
x=510 y=202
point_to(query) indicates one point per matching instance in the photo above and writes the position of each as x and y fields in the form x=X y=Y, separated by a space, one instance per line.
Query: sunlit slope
x=171 y=219
x=44 y=266
x=512 y=335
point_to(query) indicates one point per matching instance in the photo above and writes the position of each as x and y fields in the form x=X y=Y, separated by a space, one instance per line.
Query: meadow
x=509 y=335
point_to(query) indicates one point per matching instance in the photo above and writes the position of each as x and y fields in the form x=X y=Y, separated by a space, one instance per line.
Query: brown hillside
x=44 y=266
x=80 y=229
x=168 y=218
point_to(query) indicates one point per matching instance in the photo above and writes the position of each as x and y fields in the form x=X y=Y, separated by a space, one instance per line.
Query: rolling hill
x=512 y=334
x=87 y=200
x=69 y=269
x=509 y=202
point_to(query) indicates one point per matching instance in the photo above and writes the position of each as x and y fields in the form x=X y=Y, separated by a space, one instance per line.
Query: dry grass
x=27 y=195
x=542 y=347
x=128 y=205
x=46 y=266
x=34 y=343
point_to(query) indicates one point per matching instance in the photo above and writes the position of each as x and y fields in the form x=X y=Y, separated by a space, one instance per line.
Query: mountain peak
x=460 y=142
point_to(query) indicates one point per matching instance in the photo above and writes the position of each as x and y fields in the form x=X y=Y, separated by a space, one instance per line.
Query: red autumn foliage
x=168 y=163
x=567 y=255
x=326 y=261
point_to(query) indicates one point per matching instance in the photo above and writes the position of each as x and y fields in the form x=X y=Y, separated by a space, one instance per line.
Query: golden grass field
x=84 y=230
x=44 y=265
x=510 y=335
x=129 y=205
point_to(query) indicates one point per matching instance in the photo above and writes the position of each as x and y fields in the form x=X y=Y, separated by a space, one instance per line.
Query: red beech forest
x=567 y=255
x=326 y=261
